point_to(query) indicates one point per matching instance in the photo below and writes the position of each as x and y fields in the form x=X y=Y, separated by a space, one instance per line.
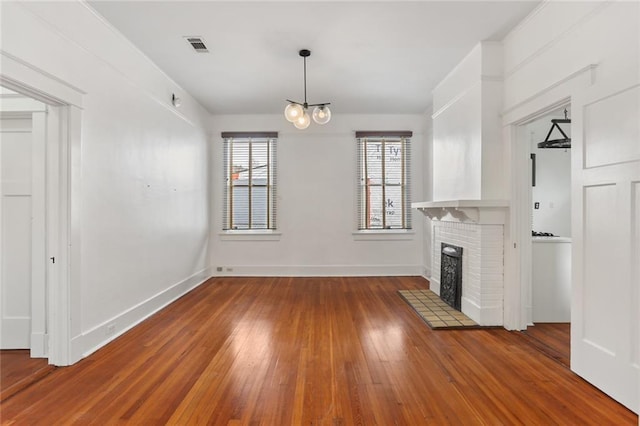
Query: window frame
x=250 y=232
x=364 y=231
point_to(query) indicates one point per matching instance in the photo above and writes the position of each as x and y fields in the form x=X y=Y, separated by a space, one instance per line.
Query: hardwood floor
x=18 y=371
x=276 y=351
x=553 y=339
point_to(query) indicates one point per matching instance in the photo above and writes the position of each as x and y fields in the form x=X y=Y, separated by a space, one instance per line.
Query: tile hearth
x=434 y=311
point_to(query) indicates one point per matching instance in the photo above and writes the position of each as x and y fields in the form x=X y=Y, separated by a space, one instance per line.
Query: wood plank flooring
x=310 y=351
x=18 y=370
x=553 y=339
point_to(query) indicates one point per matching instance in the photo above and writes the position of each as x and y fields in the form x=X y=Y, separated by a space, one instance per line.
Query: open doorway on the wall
x=23 y=307
x=549 y=140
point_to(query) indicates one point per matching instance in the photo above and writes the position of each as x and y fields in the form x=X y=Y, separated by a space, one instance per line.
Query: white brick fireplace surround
x=477 y=227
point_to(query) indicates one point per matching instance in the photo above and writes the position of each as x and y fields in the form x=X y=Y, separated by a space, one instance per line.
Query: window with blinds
x=384 y=160
x=250 y=180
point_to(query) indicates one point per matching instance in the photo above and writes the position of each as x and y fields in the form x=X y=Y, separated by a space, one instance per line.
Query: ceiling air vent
x=198 y=44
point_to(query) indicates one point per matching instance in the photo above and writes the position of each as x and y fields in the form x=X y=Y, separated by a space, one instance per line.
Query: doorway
x=24 y=349
x=23 y=122
x=546 y=142
x=62 y=186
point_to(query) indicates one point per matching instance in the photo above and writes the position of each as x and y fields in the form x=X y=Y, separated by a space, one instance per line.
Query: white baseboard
x=319 y=270
x=434 y=286
x=92 y=340
x=491 y=315
x=39 y=345
x=426 y=273
x=528 y=312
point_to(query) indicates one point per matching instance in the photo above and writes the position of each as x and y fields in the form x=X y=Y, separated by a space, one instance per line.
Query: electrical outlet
x=229 y=269
x=111 y=328
x=219 y=269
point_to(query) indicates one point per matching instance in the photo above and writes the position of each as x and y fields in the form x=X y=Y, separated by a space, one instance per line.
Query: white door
x=605 y=320
x=16 y=171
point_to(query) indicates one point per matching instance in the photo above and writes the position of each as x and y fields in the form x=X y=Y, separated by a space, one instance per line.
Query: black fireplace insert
x=451 y=275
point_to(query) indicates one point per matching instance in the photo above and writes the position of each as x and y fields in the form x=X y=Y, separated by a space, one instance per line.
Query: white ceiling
x=366 y=57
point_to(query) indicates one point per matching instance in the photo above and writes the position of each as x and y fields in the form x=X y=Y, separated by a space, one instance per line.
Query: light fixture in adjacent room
x=564 y=141
x=176 y=101
x=296 y=112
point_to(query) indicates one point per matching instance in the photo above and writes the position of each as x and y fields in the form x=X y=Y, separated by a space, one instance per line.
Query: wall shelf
x=475 y=211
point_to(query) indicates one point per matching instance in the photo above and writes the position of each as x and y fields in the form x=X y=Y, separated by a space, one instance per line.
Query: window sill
x=384 y=235
x=250 y=235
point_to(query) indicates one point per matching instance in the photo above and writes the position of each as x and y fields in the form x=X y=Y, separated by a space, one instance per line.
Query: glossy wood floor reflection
x=553 y=339
x=311 y=351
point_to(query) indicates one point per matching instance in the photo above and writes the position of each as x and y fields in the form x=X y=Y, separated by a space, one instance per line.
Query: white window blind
x=384 y=189
x=250 y=180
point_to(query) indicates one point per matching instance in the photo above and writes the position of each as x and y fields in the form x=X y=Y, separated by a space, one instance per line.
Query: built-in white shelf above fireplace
x=476 y=211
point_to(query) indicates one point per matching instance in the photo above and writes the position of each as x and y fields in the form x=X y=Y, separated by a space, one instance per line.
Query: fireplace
x=451 y=275
x=478 y=226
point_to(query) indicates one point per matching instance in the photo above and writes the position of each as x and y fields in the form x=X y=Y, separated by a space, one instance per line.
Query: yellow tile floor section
x=435 y=311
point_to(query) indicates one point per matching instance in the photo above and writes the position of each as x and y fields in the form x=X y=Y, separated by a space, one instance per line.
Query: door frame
x=518 y=255
x=62 y=197
x=522 y=193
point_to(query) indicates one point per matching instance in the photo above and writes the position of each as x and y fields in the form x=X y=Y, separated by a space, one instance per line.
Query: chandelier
x=296 y=112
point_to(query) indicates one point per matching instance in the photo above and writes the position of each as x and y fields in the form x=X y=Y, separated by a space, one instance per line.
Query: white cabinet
x=551 y=289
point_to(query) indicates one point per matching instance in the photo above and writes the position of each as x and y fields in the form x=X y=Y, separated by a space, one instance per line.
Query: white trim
x=74 y=218
x=518 y=245
x=63 y=141
x=92 y=340
x=384 y=235
x=320 y=270
x=22 y=104
x=476 y=211
x=521 y=25
x=517 y=294
x=39 y=345
x=455 y=99
x=426 y=273
x=59 y=284
x=34 y=82
x=485 y=316
x=517 y=67
x=434 y=285
x=250 y=235
x=38 y=232
x=2 y=117
x=483 y=79
x=589 y=69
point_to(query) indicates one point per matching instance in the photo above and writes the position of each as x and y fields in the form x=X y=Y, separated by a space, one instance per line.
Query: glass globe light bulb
x=293 y=112
x=321 y=114
x=302 y=122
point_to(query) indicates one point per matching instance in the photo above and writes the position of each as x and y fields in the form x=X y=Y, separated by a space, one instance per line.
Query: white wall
x=144 y=190
x=427 y=193
x=553 y=180
x=467 y=145
x=317 y=202
x=588 y=53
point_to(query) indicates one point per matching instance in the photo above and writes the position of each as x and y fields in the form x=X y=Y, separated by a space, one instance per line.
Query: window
x=250 y=180
x=384 y=160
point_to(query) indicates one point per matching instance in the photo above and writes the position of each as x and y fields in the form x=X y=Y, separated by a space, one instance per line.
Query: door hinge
x=514 y=245
x=53 y=259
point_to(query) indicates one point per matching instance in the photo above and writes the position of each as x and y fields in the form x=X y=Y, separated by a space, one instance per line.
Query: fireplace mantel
x=474 y=211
